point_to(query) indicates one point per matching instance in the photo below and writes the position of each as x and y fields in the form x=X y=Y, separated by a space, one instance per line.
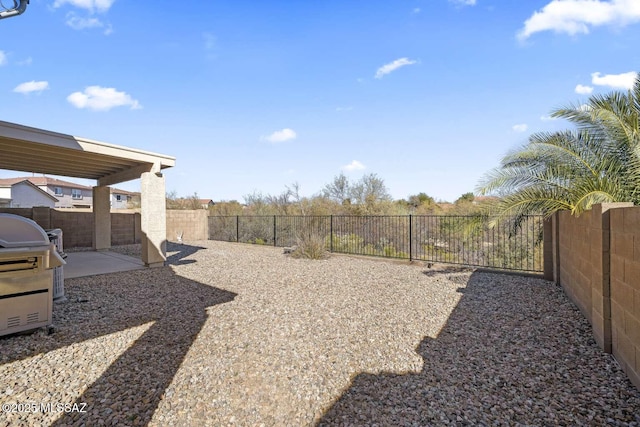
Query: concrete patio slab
x=90 y=263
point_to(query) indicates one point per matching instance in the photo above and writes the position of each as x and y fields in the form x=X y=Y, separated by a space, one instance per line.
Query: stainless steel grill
x=27 y=260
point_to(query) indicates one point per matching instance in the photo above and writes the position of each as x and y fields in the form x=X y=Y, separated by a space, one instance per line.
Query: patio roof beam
x=124 y=175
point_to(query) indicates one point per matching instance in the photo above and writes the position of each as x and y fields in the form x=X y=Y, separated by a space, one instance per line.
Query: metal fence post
x=274 y=230
x=410 y=241
x=237 y=228
x=330 y=233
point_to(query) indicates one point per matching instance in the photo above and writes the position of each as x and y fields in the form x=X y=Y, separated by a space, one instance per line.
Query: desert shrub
x=259 y=241
x=310 y=245
x=390 y=251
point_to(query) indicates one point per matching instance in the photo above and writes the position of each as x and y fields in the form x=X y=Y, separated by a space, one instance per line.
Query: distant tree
x=172 y=200
x=192 y=202
x=339 y=190
x=321 y=205
x=421 y=204
x=257 y=203
x=226 y=208
x=465 y=198
x=420 y=199
x=297 y=200
x=369 y=189
x=280 y=203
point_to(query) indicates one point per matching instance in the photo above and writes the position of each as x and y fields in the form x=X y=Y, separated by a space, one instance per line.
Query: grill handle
x=54 y=259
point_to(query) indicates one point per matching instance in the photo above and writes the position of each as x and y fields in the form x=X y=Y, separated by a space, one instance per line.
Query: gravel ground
x=233 y=334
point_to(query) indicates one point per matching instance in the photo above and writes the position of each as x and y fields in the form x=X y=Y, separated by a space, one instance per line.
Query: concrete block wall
x=574 y=237
x=25 y=212
x=125 y=228
x=193 y=224
x=77 y=227
x=625 y=289
x=596 y=259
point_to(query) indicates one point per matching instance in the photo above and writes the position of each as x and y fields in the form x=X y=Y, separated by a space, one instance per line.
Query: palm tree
x=598 y=162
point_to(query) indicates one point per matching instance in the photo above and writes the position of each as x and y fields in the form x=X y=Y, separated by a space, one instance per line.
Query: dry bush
x=311 y=245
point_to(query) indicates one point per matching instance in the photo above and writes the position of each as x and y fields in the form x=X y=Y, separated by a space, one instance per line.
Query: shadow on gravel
x=513 y=351
x=181 y=251
x=129 y=391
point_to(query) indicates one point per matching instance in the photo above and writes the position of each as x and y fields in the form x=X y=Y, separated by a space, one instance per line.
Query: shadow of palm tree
x=174 y=306
x=494 y=362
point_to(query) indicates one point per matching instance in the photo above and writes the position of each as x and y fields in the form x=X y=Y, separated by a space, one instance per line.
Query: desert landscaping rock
x=234 y=334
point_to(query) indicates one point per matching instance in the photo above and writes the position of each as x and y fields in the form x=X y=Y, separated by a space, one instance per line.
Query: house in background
x=24 y=194
x=66 y=194
x=206 y=203
x=122 y=199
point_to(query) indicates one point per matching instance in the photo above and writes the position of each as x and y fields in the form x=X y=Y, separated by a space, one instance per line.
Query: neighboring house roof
x=119 y=191
x=42 y=180
x=25 y=181
x=206 y=201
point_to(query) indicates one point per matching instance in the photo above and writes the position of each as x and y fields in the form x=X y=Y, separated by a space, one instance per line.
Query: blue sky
x=249 y=95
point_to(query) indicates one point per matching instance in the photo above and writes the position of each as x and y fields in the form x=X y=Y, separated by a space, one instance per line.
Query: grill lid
x=17 y=232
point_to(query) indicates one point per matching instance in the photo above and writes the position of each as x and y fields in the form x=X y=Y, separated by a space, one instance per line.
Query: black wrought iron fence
x=449 y=239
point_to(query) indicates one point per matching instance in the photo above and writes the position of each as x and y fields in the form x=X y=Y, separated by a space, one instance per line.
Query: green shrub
x=347 y=242
x=389 y=251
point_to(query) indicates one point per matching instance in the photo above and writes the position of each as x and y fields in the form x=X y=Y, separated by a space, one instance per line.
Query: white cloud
x=341 y=109
x=522 y=127
x=464 y=2
x=416 y=10
x=27 y=61
x=3 y=58
x=79 y=23
x=583 y=90
x=577 y=16
x=99 y=98
x=90 y=5
x=354 y=166
x=32 y=86
x=616 y=81
x=392 y=66
x=283 y=135
x=547 y=118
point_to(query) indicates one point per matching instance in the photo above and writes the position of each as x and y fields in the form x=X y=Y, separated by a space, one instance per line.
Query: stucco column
x=101 y=218
x=153 y=219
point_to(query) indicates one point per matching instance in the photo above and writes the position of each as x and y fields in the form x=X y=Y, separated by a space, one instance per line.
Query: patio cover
x=29 y=149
